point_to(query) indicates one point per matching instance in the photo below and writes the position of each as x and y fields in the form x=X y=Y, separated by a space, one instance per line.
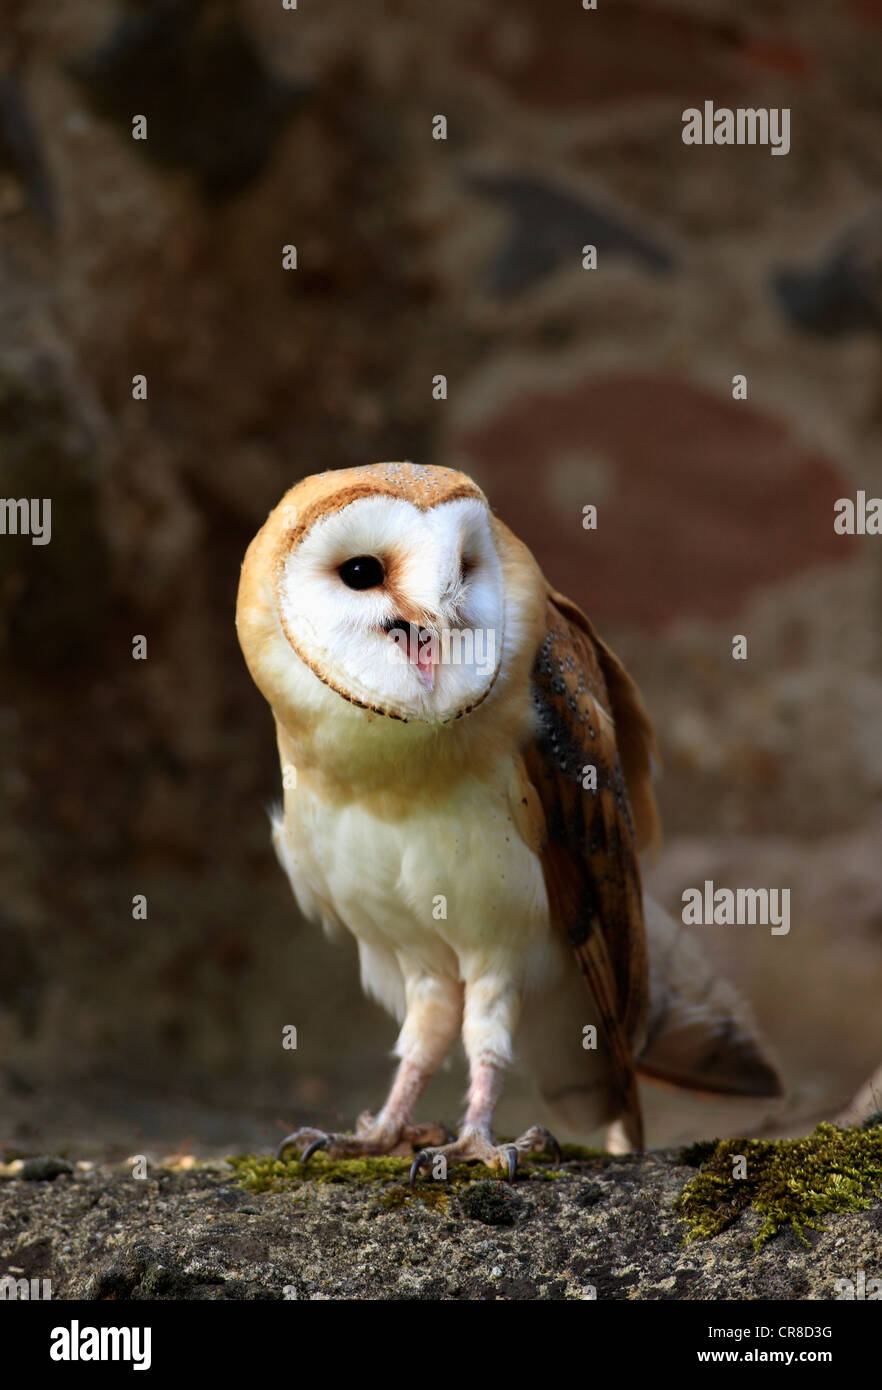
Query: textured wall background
x=417 y=257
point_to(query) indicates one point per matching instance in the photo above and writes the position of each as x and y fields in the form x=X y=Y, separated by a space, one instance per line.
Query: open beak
x=421 y=645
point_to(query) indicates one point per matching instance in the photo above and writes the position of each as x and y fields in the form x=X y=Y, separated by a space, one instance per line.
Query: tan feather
x=588 y=711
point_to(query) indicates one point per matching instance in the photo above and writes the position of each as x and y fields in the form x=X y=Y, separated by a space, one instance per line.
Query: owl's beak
x=420 y=644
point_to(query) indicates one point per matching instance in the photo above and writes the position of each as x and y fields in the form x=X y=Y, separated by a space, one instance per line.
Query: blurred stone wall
x=416 y=256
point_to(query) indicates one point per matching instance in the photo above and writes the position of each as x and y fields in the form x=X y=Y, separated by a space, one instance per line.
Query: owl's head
x=384 y=584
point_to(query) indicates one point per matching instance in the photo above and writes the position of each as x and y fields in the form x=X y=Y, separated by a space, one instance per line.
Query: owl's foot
x=371 y=1138
x=477 y=1146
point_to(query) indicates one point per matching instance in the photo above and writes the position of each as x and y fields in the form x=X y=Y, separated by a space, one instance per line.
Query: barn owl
x=467 y=790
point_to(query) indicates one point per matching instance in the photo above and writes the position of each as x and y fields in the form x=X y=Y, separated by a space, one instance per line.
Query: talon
x=512 y=1155
x=320 y=1143
x=556 y=1150
x=421 y=1161
x=286 y=1142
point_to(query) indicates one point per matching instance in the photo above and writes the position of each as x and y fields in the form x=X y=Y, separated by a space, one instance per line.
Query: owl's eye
x=362 y=572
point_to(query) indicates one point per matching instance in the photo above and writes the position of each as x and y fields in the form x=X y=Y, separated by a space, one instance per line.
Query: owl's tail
x=701 y=1033
x=700 y=1036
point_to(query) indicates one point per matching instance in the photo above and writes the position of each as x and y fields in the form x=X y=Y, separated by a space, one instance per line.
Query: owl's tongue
x=425 y=662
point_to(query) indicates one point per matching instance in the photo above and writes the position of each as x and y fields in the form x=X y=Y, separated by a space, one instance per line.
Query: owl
x=467 y=790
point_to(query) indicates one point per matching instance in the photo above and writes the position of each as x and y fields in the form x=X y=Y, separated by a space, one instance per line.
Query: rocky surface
x=605 y=1228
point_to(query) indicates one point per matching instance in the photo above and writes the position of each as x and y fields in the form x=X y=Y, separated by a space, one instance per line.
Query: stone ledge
x=600 y=1227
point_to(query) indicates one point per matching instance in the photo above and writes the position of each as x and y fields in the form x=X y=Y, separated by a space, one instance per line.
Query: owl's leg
x=431 y=1026
x=491 y=1011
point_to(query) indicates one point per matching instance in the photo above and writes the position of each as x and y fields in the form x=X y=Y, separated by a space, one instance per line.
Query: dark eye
x=362 y=572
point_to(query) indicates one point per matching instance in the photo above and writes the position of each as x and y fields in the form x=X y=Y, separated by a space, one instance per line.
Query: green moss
x=493 y=1203
x=693 y=1155
x=262 y=1173
x=789 y=1182
x=434 y=1195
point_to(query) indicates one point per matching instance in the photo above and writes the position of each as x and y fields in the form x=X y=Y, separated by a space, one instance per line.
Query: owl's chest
x=451 y=875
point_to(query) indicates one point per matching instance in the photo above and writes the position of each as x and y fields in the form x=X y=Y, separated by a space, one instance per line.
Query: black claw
x=421 y=1161
x=289 y=1139
x=557 y=1151
x=512 y=1155
x=310 y=1149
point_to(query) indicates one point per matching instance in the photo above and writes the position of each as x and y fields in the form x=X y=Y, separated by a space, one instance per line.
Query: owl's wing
x=590 y=715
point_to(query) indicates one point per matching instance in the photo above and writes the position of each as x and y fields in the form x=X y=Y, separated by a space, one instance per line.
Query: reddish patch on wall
x=701 y=499
x=572 y=57
x=868 y=12
x=779 y=56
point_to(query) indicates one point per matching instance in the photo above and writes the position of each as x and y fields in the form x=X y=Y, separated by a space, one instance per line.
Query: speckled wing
x=589 y=714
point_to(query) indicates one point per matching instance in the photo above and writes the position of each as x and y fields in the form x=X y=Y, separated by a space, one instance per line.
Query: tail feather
x=701 y=1034
x=701 y=1037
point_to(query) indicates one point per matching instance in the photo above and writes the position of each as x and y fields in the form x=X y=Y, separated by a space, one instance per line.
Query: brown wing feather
x=634 y=736
x=589 y=713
